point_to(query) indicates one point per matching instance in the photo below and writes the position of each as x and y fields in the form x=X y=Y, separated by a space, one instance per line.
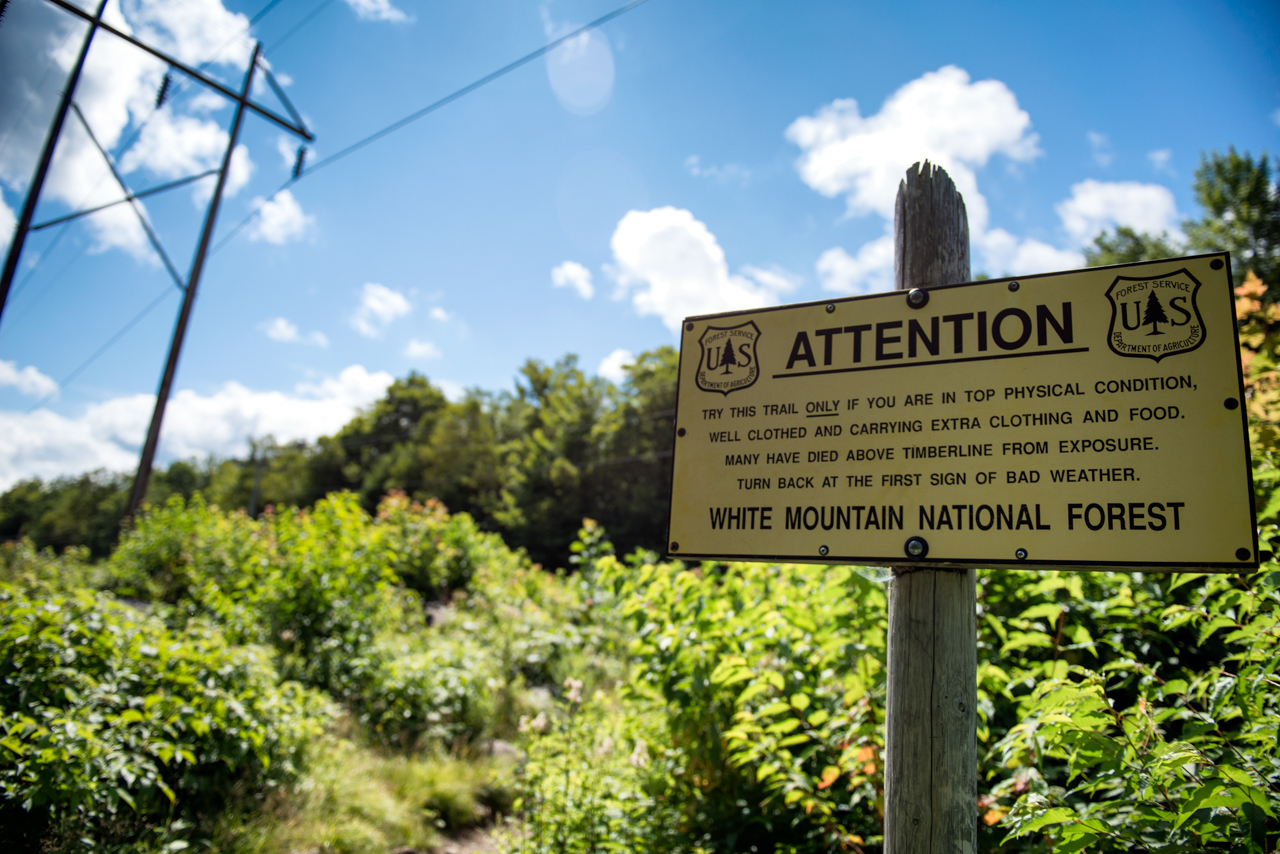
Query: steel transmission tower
x=242 y=101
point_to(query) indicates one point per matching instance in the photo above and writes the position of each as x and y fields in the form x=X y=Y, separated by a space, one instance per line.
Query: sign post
x=1089 y=419
x=931 y=722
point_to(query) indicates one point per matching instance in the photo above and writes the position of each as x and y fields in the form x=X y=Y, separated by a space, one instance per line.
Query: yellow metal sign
x=1085 y=419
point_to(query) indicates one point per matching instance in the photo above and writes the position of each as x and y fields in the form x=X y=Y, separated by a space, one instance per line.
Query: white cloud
x=27 y=380
x=1160 y=160
x=571 y=274
x=943 y=117
x=453 y=392
x=108 y=435
x=174 y=146
x=281 y=329
x=870 y=271
x=422 y=350
x=280 y=219
x=1100 y=145
x=673 y=267
x=438 y=313
x=1000 y=251
x=379 y=305
x=377 y=10
x=730 y=172
x=194 y=31
x=1095 y=206
x=611 y=366
x=116 y=90
x=8 y=222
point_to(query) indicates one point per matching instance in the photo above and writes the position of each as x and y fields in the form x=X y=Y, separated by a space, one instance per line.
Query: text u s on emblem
x=1155 y=317
x=728 y=360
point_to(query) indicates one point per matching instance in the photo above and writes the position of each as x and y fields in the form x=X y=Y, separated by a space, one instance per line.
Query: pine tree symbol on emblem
x=1166 y=304
x=1154 y=314
x=729 y=360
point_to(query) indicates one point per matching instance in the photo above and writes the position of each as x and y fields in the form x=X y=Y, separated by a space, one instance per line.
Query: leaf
x=1054 y=815
x=1213 y=625
x=751 y=691
x=1052 y=610
x=829 y=776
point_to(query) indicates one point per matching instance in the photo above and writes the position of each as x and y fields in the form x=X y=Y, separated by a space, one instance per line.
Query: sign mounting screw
x=1216 y=264
x=831 y=307
x=1020 y=554
x=675 y=547
x=1013 y=286
x=1230 y=403
x=680 y=432
x=688 y=327
x=917 y=298
x=917 y=547
x=1243 y=554
x=822 y=550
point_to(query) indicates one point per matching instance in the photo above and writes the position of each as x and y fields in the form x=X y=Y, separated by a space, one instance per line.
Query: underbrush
x=155 y=700
x=354 y=799
x=331 y=681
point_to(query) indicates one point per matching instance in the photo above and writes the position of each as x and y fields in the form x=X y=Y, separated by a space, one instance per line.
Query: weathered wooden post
x=931 y=719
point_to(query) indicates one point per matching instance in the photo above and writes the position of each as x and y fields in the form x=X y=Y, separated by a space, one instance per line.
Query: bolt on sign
x=1085 y=419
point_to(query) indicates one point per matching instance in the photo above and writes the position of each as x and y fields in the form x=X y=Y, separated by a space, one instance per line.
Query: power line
x=471 y=87
x=137 y=318
x=351 y=149
x=431 y=108
x=308 y=19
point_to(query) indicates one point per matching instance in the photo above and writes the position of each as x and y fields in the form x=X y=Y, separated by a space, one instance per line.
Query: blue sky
x=689 y=157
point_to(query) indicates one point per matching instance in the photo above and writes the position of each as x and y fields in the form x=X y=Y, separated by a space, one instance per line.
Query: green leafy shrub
x=431 y=551
x=116 y=727
x=771 y=679
x=432 y=692
x=590 y=784
x=1157 y=756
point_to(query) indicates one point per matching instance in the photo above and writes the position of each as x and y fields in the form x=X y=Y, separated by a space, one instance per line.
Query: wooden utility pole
x=931 y=775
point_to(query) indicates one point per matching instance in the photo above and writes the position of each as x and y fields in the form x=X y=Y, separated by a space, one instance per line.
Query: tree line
x=532 y=462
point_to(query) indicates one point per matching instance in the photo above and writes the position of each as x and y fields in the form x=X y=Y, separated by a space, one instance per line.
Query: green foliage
x=351 y=800
x=1157 y=756
x=771 y=679
x=80 y=511
x=320 y=587
x=432 y=552
x=1124 y=246
x=590 y=785
x=1241 y=200
x=117 y=729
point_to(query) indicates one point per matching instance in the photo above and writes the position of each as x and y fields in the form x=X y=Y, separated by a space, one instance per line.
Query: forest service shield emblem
x=728 y=361
x=1155 y=317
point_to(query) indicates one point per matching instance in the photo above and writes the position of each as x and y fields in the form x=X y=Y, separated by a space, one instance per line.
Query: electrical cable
x=468 y=89
x=290 y=34
x=351 y=149
x=430 y=108
x=105 y=347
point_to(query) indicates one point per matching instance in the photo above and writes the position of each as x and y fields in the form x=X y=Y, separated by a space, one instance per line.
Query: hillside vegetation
x=355 y=667
x=276 y=685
